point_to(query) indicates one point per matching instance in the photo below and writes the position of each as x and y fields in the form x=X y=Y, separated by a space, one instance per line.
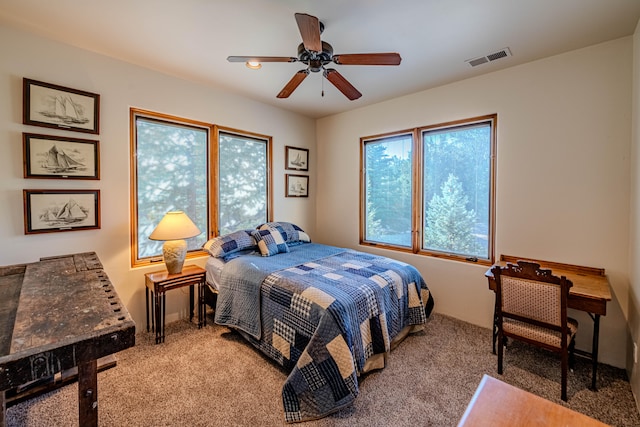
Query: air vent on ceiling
x=502 y=53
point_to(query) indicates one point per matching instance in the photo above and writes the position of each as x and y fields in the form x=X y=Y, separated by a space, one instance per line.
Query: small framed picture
x=60 y=107
x=297 y=185
x=296 y=158
x=46 y=156
x=48 y=211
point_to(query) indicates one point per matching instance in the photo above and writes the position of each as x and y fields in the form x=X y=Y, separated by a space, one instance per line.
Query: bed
x=326 y=314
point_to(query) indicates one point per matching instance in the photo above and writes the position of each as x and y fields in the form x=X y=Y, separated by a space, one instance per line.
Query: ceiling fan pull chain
x=322 y=83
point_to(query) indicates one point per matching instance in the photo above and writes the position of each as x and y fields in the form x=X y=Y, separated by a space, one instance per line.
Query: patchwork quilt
x=321 y=312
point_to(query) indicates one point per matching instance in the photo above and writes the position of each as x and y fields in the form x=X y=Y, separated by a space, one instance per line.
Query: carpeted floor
x=212 y=377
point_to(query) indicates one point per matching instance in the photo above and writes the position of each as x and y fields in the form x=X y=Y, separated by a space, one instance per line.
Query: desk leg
x=191 y=304
x=88 y=393
x=594 y=351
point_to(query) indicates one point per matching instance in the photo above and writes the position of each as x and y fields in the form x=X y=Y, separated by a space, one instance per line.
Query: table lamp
x=174 y=227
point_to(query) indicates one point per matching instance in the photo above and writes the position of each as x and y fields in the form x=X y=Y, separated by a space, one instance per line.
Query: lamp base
x=174 y=252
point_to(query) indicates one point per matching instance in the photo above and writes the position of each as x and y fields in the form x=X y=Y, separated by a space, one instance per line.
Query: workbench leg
x=594 y=351
x=3 y=407
x=88 y=393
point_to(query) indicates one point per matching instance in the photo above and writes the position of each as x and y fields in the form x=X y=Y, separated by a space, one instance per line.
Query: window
x=431 y=190
x=176 y=166
x=243 y=180
x=389 y=188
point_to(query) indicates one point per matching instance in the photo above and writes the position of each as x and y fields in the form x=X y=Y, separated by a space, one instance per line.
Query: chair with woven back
x=531 y=306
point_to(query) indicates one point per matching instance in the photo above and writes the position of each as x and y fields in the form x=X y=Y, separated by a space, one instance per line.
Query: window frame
x=212 y=176
x=215 y=159
x=363 y=187
x=418 y=203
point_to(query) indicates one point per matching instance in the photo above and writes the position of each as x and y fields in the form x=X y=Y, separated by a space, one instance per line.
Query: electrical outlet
x=635 y=352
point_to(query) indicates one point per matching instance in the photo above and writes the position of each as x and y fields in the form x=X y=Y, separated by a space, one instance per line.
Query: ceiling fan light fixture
x=254 y=65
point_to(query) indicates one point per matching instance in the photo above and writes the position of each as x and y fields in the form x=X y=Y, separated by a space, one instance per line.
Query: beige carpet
x=212 y=377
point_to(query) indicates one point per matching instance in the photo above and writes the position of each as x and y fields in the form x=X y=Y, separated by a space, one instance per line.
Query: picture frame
x=53 y=106
x=49 y=211
x=296 y=185
x=58 y=157
x=296 y=158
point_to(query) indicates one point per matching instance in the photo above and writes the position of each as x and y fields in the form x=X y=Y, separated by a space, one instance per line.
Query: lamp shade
x=174 y=226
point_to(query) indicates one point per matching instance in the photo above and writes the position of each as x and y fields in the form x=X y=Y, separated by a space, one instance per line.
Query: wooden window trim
x=212 y=171
x=215 y=177
x=418 y=204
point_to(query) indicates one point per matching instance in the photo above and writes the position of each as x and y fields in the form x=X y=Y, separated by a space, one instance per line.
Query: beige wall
x=634 y=232
x=121 y=86
x=564 y=131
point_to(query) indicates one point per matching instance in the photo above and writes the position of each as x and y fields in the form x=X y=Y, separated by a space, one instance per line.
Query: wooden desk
x=55 y=315
x=497 y=404
x=590 y=292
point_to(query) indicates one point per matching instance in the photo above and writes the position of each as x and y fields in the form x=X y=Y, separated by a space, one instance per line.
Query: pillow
x=291 y=233
x=222 y=246
x=270 y=241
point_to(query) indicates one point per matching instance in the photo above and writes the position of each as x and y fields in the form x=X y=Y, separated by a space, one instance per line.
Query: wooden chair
x=531 y=306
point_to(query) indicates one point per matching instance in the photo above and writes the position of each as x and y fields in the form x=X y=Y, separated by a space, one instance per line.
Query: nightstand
x=159 y=282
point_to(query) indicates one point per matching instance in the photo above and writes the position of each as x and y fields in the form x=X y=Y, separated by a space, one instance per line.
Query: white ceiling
x=191 y=39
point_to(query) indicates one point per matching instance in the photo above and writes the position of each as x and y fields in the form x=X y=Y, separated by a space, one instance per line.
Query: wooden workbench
x=56 y=315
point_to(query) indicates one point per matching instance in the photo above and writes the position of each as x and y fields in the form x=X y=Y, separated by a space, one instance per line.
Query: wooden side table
x=159 y=282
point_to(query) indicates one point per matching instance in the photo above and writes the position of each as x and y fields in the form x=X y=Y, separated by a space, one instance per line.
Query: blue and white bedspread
x=322 y=312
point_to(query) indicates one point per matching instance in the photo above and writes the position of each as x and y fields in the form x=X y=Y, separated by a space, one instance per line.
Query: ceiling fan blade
x=261 y=59
x=342 y=84
x=309 y=27
x=293 y=83
x=390 y=58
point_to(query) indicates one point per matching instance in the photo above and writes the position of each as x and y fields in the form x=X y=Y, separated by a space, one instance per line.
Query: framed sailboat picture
x=60 y=107
x=46 y=156
x=296 y=185
x=48 y=211
x=296 y=159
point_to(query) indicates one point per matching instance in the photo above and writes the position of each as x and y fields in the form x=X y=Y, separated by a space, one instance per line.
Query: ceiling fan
x=316 y=54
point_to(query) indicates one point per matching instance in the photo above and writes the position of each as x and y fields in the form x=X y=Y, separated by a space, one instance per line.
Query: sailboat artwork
x=65 y=109
x=296 y=158
x=69 y=213
x=54 y=106
x=297 y=188
x=49 y=156
x=57 y=161
x=299 y=162
x=297 y=185
x=61 y=210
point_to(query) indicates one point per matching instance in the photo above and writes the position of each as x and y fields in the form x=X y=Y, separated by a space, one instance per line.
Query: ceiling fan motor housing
x=315 y=60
